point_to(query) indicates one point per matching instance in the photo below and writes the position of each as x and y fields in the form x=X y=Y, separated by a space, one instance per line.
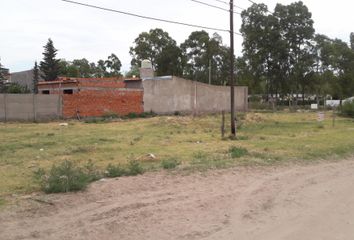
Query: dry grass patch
x=192 y=142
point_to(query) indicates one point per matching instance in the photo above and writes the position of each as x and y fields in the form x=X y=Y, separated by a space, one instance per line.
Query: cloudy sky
x=81 y=32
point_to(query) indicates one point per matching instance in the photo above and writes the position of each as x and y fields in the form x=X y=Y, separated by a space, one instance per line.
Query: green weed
x=170 y=163
x=113 y=171
x=65 y=177
x=237 y=152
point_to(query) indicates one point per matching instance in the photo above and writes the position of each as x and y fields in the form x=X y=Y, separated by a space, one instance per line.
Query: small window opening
x=68 y=91
x=45 y=92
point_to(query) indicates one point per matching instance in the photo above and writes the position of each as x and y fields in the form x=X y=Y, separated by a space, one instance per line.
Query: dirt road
x=292 y=202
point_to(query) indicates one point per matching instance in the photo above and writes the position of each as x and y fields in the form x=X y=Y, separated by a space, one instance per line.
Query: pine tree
x=35 y=78
x=49 y=67
x=2 y=79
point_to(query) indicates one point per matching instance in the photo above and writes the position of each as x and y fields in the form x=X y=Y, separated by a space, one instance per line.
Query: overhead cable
x=213 y=6
x=147 y=17
x=220 y=1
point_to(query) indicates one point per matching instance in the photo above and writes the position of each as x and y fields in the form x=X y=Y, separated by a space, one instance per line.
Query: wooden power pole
x=232 y=57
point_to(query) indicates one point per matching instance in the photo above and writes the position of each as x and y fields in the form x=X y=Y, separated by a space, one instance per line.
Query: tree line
x=51 y=67
x=282 y=56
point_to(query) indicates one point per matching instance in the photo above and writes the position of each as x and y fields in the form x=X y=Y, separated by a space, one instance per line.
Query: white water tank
x=146 y=70
x=146 y=64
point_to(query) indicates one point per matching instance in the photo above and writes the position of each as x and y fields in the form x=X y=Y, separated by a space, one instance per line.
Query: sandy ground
x=291 y=202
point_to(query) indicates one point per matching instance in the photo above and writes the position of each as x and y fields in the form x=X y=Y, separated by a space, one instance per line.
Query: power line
x=146 y=17
x=213 y=6
x=229 y=4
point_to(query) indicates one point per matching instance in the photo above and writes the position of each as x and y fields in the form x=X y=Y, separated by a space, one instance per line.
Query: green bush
x=132 y=115
x=169 y=163
x=237 y=152
x=91 y=170
x=110 y=115
x=66 y=177
x=134 y=168
x=94 y=120
x=348 y=109
x=141 y=115
x=113 y=171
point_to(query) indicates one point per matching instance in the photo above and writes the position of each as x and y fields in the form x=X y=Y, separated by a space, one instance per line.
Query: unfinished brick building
x=88 y=97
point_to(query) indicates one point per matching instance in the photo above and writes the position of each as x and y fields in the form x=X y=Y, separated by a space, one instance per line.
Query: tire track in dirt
x=241 y=203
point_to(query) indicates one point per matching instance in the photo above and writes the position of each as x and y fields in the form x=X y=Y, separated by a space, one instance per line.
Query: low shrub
x=91 y=170
x=133 y=115
x=65 y=177
x=242 y=138
x=110 y=115
x=113 y=171
x=169 y=163
x=94 y=120
x=134 y=168
x=237 y=152
x=347 y=109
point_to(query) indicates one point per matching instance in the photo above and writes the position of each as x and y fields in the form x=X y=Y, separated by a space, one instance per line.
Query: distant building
x=88 y=97
x=24 y=79
x=68 y=85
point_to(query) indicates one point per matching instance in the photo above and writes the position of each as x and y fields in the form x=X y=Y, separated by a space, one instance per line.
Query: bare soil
x=290 y=202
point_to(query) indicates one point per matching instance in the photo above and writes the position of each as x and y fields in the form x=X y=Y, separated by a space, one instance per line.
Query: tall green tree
x=277 y=47
x=2 y=78
x=68 y=69
x=201 y=52
x=35 y=78
x=2 y=73
x=296 y=28
x=50 y=67
x=158 y=47
x=83 y=67
x=264 y=49
x=101 y=69
x=134 y=71
x=113 y=66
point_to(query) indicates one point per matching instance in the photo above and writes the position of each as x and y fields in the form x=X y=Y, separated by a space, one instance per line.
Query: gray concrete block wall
x=48 y=107
x=19 y=107
x=2 y=107
x=163 y=95
x=167 y=95
x=29 y=107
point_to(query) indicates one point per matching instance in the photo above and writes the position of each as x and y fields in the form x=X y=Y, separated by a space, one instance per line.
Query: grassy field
x=195 y=142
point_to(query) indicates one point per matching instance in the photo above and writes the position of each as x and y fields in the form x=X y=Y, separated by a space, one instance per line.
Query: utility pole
x=209 y=71
x=232 y=57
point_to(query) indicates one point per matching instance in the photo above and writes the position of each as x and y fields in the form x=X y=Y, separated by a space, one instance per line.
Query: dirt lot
x=289 y=202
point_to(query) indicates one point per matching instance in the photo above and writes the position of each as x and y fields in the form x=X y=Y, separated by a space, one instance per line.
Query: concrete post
x=5 y=107
x=34 y=108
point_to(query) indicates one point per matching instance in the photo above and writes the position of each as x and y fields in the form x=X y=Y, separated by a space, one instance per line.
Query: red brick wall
x=91 y=103
x=92 y=82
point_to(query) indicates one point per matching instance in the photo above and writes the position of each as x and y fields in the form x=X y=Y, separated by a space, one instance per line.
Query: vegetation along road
x=285 y=202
